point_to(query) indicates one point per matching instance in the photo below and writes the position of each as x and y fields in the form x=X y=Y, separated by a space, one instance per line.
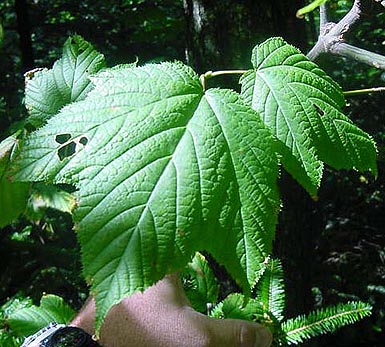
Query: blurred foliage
x=9 y=338
x=40 y=252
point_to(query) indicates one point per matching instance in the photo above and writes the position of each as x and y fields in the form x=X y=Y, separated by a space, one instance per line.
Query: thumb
x=236 y=332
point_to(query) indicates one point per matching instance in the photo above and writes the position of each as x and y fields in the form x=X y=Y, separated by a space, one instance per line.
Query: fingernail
x=263 y=337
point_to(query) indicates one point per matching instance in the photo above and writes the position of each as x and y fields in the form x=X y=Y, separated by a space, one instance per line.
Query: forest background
x=332 y=249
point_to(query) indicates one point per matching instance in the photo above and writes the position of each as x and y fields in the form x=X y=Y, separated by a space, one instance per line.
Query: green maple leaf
x=302 y=107
x=163 y=169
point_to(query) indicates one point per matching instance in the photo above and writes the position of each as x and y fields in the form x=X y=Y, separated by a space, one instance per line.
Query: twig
x=344 y=25
x=323 y=16
x=331 y=39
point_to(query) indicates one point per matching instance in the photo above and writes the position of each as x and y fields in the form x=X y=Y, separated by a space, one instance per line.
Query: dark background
x=332 y=249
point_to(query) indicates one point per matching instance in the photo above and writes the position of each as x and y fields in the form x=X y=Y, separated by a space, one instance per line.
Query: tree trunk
x=24 y=31
x=296 y=239
x=221 y=34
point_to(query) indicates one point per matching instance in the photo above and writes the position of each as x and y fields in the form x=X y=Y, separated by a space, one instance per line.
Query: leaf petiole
x=364 y=91
x=209 y=74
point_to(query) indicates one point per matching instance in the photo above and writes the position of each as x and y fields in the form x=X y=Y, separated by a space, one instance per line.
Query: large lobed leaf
x=302 y=107
x=47 y=91
x=162 y=170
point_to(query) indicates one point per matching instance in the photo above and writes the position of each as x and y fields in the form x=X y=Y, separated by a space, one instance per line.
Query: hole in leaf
x=83 y=140
x=62 y=138
x=319 y=110
x=66 y=150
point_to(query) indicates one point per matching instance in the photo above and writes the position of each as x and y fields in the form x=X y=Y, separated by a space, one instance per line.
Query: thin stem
x=225 y=72
x=209 y=74
x=202 y=79
x=364 y=91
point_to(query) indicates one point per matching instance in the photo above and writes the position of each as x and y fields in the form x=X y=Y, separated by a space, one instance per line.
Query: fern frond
x=271 y=289
x=322 y=321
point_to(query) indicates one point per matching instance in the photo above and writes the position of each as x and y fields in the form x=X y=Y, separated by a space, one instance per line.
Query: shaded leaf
x=200 y=284
x=13 y=200
x=8 y=338
x=27 y=321
x=48 y=196
x=13 y=195
x=1 y=34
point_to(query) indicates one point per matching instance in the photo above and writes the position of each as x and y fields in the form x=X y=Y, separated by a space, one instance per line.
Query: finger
x=235 y=332
x=85 y=319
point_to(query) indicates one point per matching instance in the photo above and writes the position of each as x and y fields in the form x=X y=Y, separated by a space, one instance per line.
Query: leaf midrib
x=319 y=322
x=146 y=204
x=294 y=138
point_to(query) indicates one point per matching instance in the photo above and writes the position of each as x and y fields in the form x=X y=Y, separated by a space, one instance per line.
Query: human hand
x=161 y=316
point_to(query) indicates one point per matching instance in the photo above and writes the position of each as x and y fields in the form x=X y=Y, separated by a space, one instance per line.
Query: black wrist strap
x=59 y=335
x=70 y=336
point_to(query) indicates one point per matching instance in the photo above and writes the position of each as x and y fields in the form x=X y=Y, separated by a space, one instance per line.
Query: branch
x=359 y=54
x=344 y=25
x=331 y=39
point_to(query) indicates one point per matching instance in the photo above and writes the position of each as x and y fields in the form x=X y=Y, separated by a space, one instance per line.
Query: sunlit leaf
x=323 y=321
x=302 y=107
x=47 y=91
x=236 y=306
x=162 y=169
x=271 y=289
